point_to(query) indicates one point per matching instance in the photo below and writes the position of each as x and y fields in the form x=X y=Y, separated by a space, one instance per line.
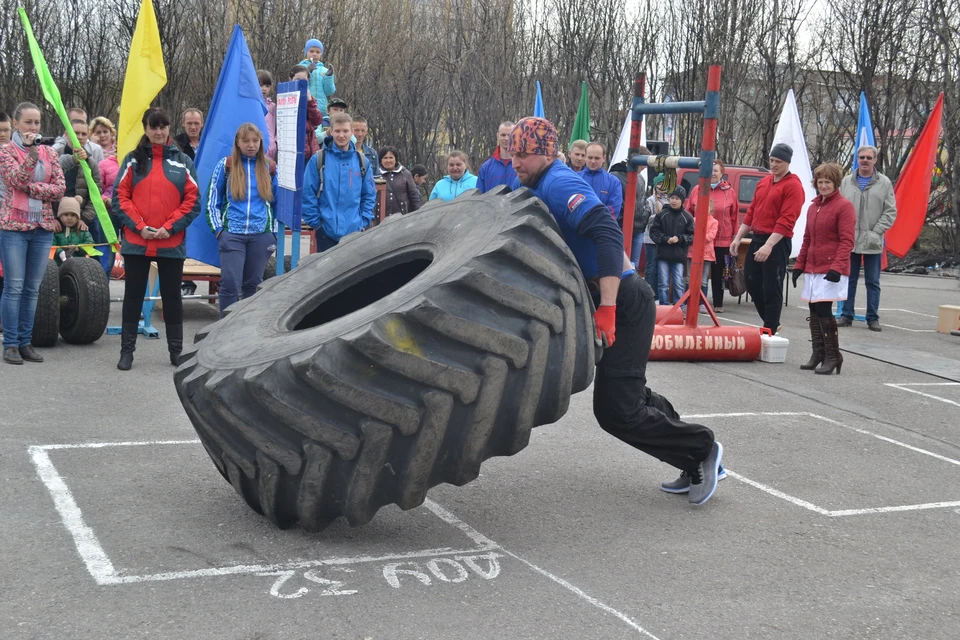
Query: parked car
x=743 y=179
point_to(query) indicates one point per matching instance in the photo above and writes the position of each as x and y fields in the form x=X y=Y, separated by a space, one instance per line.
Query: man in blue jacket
x=341 y=200
x=604 y=184
x=626 y=314
x=499 y=168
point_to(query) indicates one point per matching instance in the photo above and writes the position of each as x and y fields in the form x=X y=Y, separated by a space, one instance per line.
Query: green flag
x=52 y=94
x=581 y=126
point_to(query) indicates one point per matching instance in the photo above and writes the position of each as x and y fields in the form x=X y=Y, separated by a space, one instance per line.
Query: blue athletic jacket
x=592 y=234
x=447 y=188
x=251 y=215
x=494 y=172
x=607 y=187
x=346 y=203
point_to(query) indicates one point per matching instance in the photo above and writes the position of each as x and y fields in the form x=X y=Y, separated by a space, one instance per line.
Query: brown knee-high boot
x=816 y=334
x=831 y=343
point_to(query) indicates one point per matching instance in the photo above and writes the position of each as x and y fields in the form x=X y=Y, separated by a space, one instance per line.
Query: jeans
x=324 y=242
x=705 y=278
x=871 y=274
x=666 y=270
x=636 y=249
x=765 y=280
x=170 y=273
x=651 y=270
x=623 y=404
x=24 y=255
x=242 y=260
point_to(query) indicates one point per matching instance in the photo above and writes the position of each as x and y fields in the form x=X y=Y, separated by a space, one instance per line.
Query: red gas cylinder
x=679 y=342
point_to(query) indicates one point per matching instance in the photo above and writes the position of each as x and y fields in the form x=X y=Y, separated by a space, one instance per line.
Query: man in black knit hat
x=776 y=205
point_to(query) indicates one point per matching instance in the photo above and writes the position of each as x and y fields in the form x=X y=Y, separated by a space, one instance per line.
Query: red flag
x=913 y=186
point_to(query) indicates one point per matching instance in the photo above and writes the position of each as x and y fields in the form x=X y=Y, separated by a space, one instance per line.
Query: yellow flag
x=145 y=77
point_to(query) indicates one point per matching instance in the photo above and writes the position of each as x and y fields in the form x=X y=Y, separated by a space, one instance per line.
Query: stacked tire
x=398 y=360
x=73 y=302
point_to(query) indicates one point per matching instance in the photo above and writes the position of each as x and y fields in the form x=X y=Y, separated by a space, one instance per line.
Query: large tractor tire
x=46 y=322
x=270 y=270
x=85 y=293
x=398 y=360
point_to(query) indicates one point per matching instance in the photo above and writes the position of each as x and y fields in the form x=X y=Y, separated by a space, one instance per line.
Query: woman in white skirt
x=825 y=262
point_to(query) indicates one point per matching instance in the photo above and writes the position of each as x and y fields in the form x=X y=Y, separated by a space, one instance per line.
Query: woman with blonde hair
x=240 y=212
x=457 y=180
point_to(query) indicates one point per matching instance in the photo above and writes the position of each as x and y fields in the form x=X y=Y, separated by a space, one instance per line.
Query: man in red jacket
x=771 y=217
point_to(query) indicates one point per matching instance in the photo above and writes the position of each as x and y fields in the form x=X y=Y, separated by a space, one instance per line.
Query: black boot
x=816 y=333
x=831 y=342
x=128 y=344
x=175 y=342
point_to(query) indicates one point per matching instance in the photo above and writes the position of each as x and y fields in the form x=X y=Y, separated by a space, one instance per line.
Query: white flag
x=789 y=132
x=623 y=144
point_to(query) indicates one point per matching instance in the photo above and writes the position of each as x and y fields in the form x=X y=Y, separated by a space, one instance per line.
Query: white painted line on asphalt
x=287 y=566
x=749 y=324
x=907 y=507
x=92 y=554
x=101 y=568
x=903 y=387
x=923 y=384
x=893 y=326
x=841 y=512
x=583 y=596
x=102 y=445
x=779 y=494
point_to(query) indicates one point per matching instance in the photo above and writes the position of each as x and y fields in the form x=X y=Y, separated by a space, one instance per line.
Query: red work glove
x=606 y=320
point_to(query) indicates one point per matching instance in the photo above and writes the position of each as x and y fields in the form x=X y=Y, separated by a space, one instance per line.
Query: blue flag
x=236 y=100
x=538 y=106
x=864 y=130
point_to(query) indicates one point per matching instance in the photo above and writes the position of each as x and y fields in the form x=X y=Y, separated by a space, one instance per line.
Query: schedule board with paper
x=291 y=138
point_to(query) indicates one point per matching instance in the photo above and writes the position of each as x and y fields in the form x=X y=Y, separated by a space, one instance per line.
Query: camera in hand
x=46 y=140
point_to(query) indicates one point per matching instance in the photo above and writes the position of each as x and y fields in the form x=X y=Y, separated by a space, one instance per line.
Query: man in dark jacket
x=189 y=140
x=672 y=231
x=360 y=130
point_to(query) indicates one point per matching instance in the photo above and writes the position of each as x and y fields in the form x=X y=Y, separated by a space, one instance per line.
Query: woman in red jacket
x=724 y=211
x=825 y=259
x=156 y=199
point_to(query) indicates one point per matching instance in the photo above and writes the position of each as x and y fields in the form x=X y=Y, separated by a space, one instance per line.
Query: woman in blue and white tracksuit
x=240 y=203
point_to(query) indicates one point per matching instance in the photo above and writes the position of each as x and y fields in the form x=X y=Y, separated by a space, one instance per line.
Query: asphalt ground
x=839 y=518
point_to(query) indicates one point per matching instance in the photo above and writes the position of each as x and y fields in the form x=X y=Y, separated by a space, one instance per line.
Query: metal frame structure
x=688 y=341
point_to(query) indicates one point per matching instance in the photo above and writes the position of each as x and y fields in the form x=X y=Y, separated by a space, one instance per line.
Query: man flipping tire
x=626 y=314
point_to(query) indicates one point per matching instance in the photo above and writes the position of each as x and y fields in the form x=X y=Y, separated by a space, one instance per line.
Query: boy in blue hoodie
x=344 y=202
x=321 y=79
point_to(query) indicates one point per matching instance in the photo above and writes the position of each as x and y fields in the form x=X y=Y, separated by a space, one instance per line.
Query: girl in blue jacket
x=457 y=180
x=240 y=204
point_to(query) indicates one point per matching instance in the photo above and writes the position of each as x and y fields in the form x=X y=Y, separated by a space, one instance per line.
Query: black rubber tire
x=270 y=270
x=484 y=330
x=85 y=292
x=46 y=322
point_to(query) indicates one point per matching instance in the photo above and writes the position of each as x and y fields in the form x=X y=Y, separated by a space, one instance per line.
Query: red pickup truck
x=743 y=180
